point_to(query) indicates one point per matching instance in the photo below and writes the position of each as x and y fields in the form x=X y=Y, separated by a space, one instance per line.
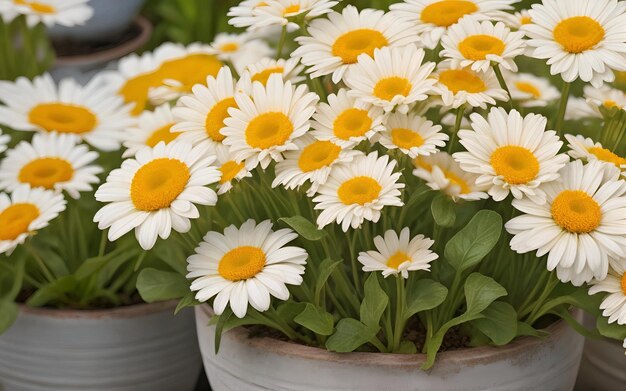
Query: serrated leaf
x=424 y=295
x=157 y=285
x=304 y=228
x=472 y=243
x=315 y=319
x=499 y=323
x=442 y=209
x=374 y=303
x=349 y=335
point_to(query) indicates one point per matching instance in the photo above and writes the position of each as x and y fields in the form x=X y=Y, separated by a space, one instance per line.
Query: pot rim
x=467 y=356
x=128 y=311
x=115 y=52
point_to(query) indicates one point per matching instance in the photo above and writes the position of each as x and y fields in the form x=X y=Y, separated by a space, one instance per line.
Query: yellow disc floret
x=359 y=190
x=576 y=212
x=241 y=263
x=158 y=183
x=517 y=165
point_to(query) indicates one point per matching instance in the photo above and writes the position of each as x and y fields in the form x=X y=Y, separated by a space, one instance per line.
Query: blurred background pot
x=244 y=363
x=139 y=347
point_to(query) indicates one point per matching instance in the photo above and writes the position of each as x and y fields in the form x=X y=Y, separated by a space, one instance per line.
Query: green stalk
x=42 y=265
x=498 y=72
x=399 y=321
x=457 y=125
x=560 y=117
x=281 y=42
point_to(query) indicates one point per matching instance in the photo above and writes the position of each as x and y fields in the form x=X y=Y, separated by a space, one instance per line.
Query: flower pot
x=243 y=363
x=110 y=18
x=139 y=347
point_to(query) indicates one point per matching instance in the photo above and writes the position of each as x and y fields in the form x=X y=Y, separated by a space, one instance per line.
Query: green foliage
x=350 y=334
x=315 y=319
x=304 y=228
x=374 y=303
x=156 y=285
x=24 y=51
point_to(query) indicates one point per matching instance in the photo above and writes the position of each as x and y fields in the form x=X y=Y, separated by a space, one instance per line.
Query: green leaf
x=315 y=319
x=374 y=303
x=219 y=326
x=9 y=311
x=157 y=285
x=443 y=211
x=524 y=329
x=90 y=267
x=304 y=228
x=288 y=310
x=471 y=244
x=565 y=314
x=480 y=292
x=610 y=330
x=189 y=300
x=499 y=323
x=407 y=347
x=52 y=291
x=326 y=268
x=349 y=335
x=424 y=295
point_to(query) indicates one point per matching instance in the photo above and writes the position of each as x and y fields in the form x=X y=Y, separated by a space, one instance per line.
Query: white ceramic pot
x=136 y=348
x=243 y=363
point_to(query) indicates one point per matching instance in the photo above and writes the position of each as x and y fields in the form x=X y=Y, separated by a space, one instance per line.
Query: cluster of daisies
x=360 y=103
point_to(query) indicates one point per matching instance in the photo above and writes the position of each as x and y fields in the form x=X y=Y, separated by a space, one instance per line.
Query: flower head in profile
x=604 y=97
x=511 y=153
x=586 y=149
x=240 y=50
x=530 y=90
x=457 y=87
x=581 y=225
x=280 y=13
x=152 y=127
x=261 y=70
x=24 y=212
x=614 y=285
x=515 y=20
x=398 y=255
x=579 y=40
x=358 y=191
x=412 y=134
x=93 y=112
x=335 y=43
x=156 y=192
x=246 y=265
x=51 y=161
x=66 y=13
x=394 y=78
x=231 y=170
x=264 y=124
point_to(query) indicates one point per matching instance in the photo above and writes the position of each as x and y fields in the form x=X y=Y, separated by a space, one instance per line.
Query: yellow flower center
x=214 y=121
x=464 y=187
x=229 y=171
x=623 y=283
x=477 y=47
x=609 y=104
x=576 y=212
x=419 y=162
x=397 y=259
x=516 y=164
x=241 y=263
x=406 y=138
x=390 y=87
x=528 y=88
x=161 y=134
x=46 y=172
x=359 y=190
x=447 y=12
x=292 y=9
x=158 y=183
x=264 y=75
x=317 y=155
x=352 y=123
x=607 y=156
x=16 y=219
x=36 y=6
x=525 y=20
x=353 y=43
x=229 y=47
x=63 y=118
x=461 y=80
x=578 y=33
x=268 y=130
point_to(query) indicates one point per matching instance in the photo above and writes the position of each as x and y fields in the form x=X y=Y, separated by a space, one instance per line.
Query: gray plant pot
x=136 y=348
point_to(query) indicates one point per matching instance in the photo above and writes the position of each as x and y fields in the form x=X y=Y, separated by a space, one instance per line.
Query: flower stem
x=281 y=42
x=457 y=125
x=560 y=117
x=399 y=321
x=498 y=72
x=42 y=265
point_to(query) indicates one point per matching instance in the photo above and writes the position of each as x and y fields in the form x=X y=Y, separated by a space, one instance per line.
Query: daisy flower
x=442 y=173
x=66 y=13
x=530 y=90
x=581 y=224
x=4 y=140
x=346 y=121
x=511 y=153
x=585 y=149
x=393 y=78
x=261 y=71
x=152 y=128
x=397 y=255
x=515 y=20
x=614 y=304
x=200 y=116
x=24 y=212
x=457 y=87
x=578 y=40
x=311 y=162
x=92 y=112
x=230 y=170
x=433 y=17
x=246 y=265
x=478 y=45
x=155 y=192
x=283 y=13
x=243 y=14
x=413 y=134
x=578 y=108
x=604 y=96
x=264 y=125
x=335 y=44
x=51 y=161
x=239 y=49
x=170 y=71
x=358 y=191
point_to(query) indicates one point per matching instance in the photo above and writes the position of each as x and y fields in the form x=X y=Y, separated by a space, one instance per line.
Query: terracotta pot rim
x=115 y=52
x=129 y=311
x=467 y=356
